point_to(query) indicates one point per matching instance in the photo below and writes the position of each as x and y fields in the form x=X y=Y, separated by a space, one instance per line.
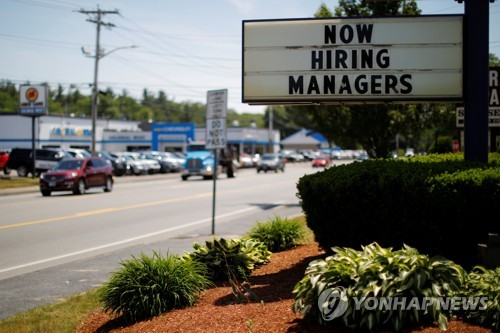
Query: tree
x=355 y=8
x=494 y=61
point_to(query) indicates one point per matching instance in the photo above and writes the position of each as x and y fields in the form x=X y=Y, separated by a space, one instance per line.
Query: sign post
x=33 y=101
x=216 y=134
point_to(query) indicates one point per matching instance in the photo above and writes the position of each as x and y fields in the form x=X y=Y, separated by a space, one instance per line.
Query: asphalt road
x=54 y=247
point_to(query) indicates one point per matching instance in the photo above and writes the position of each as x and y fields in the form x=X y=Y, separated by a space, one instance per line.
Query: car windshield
x=69 y=165
x=268 y=157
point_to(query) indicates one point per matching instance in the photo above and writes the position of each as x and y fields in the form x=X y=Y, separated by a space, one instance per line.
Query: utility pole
x=271 y=135
x=95 y=92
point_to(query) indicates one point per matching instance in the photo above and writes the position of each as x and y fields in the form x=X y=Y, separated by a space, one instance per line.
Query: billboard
x=389 y=59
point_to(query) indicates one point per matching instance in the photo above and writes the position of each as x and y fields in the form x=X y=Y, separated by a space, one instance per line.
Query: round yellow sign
x=31 y=94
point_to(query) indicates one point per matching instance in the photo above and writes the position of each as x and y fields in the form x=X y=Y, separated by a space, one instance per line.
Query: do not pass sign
x=216 y=133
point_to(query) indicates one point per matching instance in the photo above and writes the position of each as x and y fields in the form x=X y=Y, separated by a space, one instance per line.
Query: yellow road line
x=118 y=209
x=103 y=211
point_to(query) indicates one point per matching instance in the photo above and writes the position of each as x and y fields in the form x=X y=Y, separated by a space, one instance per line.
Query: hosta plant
x=148 y=286
x=226 y=258
x=482 y=284
x=377 y=287
x=278 y=234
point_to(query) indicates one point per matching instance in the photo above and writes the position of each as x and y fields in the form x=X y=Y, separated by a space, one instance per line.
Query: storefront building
x=122 y=135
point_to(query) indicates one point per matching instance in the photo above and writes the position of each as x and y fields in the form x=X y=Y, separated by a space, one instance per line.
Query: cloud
x=243 y=6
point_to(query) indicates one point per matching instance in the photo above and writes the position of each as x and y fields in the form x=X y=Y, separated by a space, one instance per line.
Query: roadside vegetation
x=7 y=182
x=138 y=281
x=56 y=318
x=146 y=287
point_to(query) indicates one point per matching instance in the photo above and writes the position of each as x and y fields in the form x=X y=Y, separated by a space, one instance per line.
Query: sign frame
x=275 y=40
x=33 y=100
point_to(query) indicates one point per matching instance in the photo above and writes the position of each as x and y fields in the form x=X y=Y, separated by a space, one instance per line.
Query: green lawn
x=63 y=317
x=7 y=182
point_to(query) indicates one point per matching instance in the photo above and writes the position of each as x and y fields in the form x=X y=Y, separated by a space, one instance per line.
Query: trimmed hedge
x=438 y=203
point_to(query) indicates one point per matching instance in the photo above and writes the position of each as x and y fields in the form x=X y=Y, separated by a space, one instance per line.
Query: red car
x=78 y=175
x=320 y=162
x=4 y=157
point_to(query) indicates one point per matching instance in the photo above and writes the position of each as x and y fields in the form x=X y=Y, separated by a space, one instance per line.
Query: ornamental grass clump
x=378 y=287
x=145 y=287
x=230 y=258
x=278 y=234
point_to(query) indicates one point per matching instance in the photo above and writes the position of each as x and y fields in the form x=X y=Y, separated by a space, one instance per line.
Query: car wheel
x=109 y=185
x=184 y=177
x=46 y=193
x=81 y=187
x=22 y=171
x=6 y=171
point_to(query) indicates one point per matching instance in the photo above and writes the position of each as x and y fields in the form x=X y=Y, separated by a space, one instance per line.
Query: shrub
x=278 y=234
x=225 y=258
x=482 y=282
x=440 y=204
x=148 y=286
x=377 y=272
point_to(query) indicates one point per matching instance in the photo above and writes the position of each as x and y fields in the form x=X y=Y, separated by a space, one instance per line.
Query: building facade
x=122 y=135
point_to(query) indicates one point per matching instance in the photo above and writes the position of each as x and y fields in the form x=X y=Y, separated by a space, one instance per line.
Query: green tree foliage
x=494 y=61
x=155 y=107
x=357 y=8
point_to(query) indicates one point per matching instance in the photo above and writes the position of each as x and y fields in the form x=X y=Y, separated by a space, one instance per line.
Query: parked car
x=120 y=166
x=78 y=153
x=77 y=175
x=4 y=157
x=152 y=165
x=136 y=166
x=21 y=160
x=246 y=161
x=271 y=162
x=168 y=162
x=320 y=162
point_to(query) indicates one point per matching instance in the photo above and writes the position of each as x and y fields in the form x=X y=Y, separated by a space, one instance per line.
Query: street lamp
x=95 y=92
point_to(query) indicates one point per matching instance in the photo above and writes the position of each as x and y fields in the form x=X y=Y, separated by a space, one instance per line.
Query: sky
x=181 y=47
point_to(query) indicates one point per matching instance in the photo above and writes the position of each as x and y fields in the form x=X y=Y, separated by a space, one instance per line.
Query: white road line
x=128 y=240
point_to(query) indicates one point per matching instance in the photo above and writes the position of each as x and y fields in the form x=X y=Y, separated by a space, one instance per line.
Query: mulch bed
x=217 y=310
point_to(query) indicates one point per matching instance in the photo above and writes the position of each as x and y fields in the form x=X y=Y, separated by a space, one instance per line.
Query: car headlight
x=71 y=175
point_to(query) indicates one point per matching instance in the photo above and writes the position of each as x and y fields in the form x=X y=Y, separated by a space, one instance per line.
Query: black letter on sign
x=296 y=86
x=346 y=38
x=376 y=84
x=391 y=82
x=330 y=34
x=345 y=85
x=405 y=81
x=329 y=84
x=313 y=86
x=364 y=32
x=317 y=60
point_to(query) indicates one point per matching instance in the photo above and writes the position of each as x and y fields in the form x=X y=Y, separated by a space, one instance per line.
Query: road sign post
x=216 y=134
x=33 y=101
